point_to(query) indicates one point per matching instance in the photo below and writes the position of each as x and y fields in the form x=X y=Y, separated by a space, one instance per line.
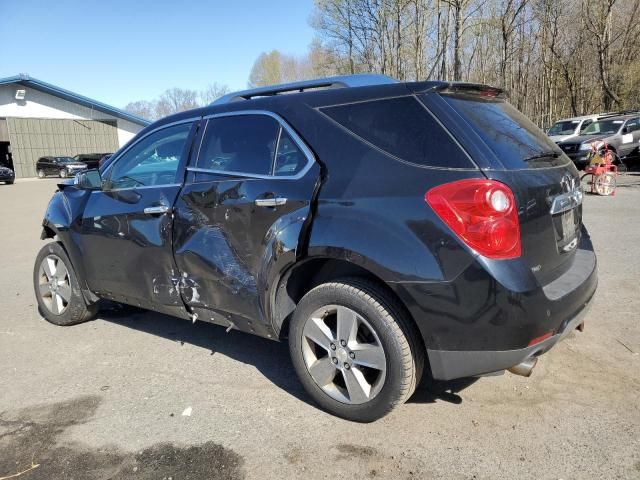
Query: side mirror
x=88 y=180
x=625 y=129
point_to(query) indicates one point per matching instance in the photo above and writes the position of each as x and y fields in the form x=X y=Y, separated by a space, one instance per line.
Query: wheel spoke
x=357 y=387
x=64 y=290
x=56 y=303
x=318 y=332
x=347 y=324
x=369 y=355
x=44 y=290
x=323 y=371
x=61 y=270
x=49 y=267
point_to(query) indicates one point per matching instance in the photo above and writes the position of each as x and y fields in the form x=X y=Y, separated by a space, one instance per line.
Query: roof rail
x=357 y=80
x=617 y=114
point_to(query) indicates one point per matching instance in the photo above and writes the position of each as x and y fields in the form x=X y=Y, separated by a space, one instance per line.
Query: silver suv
x=570 y=127
x=621 y=133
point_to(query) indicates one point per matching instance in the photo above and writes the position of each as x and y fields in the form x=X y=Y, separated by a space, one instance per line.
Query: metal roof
x=357 y=80
x=36 y=84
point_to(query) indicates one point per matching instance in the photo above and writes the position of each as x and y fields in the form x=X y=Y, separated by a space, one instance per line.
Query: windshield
x=565 y=127
x=603 y=126
x=64 y=160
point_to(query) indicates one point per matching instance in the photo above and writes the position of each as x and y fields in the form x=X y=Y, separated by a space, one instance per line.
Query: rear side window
x=241 y=144
x=403 y=128
x=289 y=158
x=585 y=124
x=515 y=140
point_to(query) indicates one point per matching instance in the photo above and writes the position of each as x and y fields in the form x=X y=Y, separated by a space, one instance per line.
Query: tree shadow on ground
x=31 y=447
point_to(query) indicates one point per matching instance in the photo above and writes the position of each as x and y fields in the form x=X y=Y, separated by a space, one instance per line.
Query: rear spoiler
x=461 y=88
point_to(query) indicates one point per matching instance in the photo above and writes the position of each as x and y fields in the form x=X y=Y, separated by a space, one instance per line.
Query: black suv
x=386 y=229
x=92 y=160
x=60 y=166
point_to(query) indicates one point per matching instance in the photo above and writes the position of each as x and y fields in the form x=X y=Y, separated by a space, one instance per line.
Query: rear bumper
x=485 y=319
x=450 y=364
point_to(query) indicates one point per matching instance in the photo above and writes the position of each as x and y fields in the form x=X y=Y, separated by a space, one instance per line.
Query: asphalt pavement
x=136 y=394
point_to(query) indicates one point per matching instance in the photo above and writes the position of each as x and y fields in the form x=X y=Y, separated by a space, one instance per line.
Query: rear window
x=403 y=128
x=515 y=140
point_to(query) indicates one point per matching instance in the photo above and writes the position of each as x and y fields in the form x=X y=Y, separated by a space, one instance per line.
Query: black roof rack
x=357 y=80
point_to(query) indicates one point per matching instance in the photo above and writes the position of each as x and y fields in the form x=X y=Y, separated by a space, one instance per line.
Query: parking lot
x=140 y=395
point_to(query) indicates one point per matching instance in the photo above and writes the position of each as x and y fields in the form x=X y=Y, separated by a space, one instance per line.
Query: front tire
x=57 y=290
x=41 y=173
x=354 y=349
x=63 y=173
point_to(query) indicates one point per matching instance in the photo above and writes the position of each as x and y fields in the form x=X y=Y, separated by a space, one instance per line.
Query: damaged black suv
x=387 y=229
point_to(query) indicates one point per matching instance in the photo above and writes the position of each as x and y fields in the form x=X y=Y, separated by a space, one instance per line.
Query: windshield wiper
x=550 y=153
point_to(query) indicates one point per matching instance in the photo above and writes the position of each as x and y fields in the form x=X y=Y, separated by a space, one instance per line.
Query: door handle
x=157 y=210
x=270 y=202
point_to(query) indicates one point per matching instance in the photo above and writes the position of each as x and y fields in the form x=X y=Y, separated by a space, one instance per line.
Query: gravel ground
x=106 y=399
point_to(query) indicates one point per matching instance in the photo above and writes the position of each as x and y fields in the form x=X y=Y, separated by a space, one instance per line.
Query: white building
x=39 y=119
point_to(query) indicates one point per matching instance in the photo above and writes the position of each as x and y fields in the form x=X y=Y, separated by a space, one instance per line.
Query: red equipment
x=600 y=175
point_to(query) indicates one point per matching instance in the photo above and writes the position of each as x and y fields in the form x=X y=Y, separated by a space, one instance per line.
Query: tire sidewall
x=329 y=294
x=76 y=311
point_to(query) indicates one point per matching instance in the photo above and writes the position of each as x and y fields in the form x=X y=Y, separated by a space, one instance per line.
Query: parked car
x=7 y=175
x=60 y=166
x=91 y=159
x=620 y=133
x=570 y=127
x=384 y=228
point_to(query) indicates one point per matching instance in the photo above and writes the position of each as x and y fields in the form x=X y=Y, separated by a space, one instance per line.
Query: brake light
x=482 y=213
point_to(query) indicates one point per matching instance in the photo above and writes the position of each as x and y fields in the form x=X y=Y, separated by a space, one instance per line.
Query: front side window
x=239 y=144
x=152 y=161
x=603 y=127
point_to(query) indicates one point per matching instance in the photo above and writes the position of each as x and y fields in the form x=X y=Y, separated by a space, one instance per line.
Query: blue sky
x=118 y=51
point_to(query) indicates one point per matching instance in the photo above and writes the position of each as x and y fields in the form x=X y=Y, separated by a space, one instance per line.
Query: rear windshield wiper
x=550 y=153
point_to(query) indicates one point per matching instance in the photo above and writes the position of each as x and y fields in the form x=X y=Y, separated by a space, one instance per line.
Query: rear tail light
x=482 y=213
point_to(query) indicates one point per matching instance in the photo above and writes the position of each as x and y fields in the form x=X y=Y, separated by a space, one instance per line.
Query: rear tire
x=378 y=365
x=41 y=174
x=57 y=289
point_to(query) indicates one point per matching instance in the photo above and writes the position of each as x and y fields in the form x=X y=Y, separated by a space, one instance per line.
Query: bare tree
x=552 y=61
x=142 y=108
x=176 y=100
x=598 y=16
x=213 y=91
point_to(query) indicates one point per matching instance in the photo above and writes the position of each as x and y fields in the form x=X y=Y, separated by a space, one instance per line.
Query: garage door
x=32 y=138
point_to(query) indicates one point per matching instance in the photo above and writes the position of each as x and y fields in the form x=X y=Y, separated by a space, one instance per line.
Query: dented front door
x=127 y=227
